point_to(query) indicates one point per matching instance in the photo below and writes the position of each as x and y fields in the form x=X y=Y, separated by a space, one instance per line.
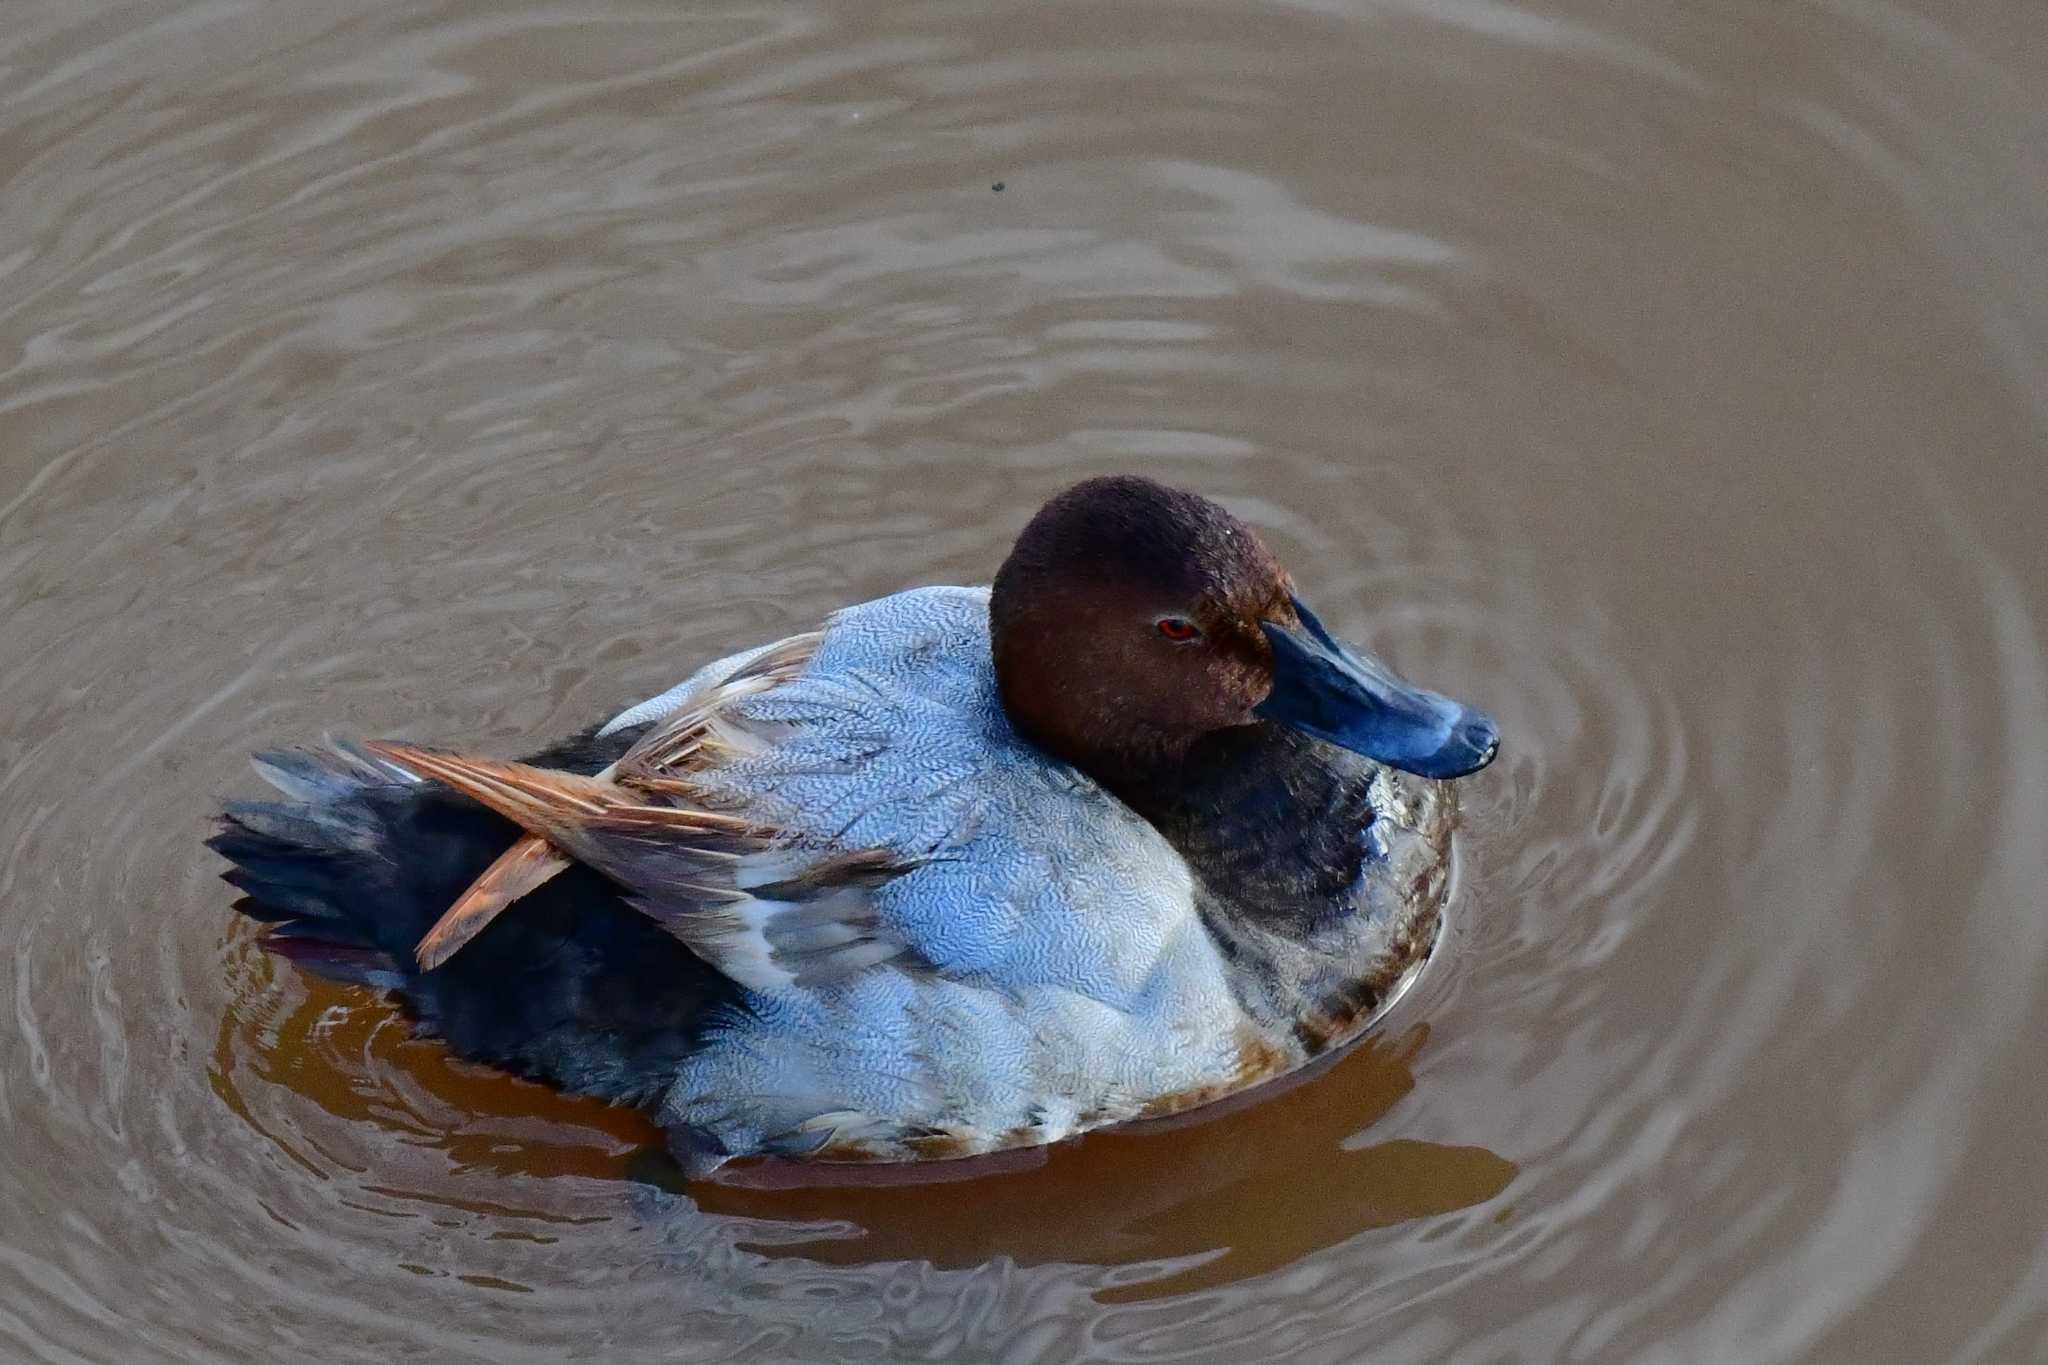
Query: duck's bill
x=1323 y=688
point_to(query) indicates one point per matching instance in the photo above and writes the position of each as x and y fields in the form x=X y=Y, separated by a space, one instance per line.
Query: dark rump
x=569 y=986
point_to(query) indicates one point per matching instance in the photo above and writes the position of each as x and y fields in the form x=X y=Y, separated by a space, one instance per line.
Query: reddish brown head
x=1132 y=619
x=1126 y=623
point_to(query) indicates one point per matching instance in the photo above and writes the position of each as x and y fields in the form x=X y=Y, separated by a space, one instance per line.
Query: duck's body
x=830 y=902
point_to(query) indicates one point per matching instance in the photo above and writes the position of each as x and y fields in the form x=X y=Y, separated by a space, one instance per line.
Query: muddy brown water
x=1672 y=378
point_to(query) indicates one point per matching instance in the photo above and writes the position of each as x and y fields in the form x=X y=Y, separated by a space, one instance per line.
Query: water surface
x=1672 y=379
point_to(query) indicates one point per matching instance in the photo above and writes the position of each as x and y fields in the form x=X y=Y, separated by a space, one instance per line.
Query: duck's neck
x=1271 y=823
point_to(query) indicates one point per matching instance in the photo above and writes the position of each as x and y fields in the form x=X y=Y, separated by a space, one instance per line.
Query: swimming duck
x=964 y=870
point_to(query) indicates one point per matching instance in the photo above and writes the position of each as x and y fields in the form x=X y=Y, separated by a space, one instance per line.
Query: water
x=1671 y=379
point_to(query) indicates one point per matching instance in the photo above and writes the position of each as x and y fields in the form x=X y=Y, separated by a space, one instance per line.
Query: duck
x=965 y=870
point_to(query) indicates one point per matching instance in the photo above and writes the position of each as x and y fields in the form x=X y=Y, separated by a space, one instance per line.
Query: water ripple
x=465 y=371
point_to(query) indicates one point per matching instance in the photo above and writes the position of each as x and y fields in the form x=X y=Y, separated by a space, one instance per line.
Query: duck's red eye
x=1179 y=629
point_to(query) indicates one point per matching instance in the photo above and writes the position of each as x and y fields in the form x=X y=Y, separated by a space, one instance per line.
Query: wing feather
x=750 y=899
x=697 y=734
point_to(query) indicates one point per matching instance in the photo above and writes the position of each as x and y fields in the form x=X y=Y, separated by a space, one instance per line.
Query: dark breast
x=1274 y=826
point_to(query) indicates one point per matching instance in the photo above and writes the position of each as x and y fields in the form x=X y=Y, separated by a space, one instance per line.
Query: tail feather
x=335 y=770
x=348 y=963
x=287 y=874
x=360 y=859
x=523 y=868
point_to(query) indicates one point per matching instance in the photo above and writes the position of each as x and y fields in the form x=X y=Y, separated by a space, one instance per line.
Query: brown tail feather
x=558 y=811
x=541 y=801
x=520 y=870
x=526 y=866
x=546 y=803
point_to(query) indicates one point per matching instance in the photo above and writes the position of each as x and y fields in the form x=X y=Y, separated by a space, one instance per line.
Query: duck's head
x=1132 y=620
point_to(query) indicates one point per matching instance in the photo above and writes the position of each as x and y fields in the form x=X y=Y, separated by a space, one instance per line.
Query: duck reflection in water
x=1290 y=1171
x=1251 y=1191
